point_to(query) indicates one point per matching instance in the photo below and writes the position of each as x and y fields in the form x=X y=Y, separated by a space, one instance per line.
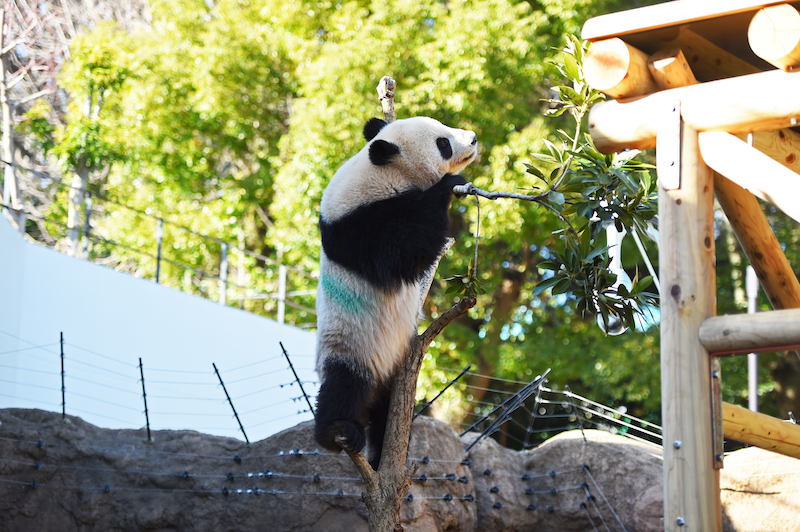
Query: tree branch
x=386 y=88
x=470 y=189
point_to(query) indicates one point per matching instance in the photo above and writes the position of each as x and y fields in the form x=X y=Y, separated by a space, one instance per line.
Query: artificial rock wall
x=70 y=476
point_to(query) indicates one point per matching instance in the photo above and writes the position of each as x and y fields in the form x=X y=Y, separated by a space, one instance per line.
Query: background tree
x=233 y=116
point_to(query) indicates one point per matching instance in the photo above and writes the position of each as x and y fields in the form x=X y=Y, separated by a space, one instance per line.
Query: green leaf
x=535 y=171
x=561 y=286
x=571 y=67
x=544 y=285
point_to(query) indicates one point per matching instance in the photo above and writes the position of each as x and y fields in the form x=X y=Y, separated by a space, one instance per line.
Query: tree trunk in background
x=11 y=195
x=74 y=216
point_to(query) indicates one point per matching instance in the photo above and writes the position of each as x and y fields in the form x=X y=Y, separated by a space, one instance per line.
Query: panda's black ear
x=373 y=127
x=381 y=152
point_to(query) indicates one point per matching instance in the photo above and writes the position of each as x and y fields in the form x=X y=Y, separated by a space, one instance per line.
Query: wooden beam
x=752 y=170
x=665 y=15
x=618 y=69
x=782 y=145
x=774 y=35
x=744 y=213
x=748 y=333
x=735 y=105
x=671 y=68
x=764 y=431
x=707 y=60
x=686 y=248
x=759 y=244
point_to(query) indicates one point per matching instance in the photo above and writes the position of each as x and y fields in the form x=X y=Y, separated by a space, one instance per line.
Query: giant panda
x=383 y=221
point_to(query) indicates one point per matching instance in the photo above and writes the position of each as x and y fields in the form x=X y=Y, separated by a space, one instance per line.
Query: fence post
x=144 y=396
x=63 y=388
x=299 y=383
x=223 y=275
x=87 y=212
x=230 y=402
x=281 y=294
x=159 y=241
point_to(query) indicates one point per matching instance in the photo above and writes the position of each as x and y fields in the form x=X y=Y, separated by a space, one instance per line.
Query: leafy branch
x=587 y=191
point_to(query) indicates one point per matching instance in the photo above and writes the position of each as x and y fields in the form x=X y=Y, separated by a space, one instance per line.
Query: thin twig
x=469 y=188
x=386 y=88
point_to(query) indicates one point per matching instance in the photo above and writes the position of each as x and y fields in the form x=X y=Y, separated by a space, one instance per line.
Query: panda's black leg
x=378 y=415
x=341 y=402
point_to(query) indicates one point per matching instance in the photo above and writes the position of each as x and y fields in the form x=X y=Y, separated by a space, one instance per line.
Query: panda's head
x=422 y=148
x=406 y=154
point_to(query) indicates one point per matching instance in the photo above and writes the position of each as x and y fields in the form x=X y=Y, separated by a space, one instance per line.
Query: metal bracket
x=668 y=148
x=716 y=412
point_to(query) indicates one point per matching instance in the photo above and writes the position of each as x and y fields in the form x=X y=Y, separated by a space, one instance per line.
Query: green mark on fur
x=344 y=297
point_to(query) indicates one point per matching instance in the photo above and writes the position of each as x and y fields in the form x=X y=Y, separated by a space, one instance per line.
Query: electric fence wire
x=42 y=347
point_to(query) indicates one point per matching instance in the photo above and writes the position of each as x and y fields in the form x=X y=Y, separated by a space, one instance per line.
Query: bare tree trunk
x=77 y=194
x=80 y=184
x=11 y=195
x=385 y=488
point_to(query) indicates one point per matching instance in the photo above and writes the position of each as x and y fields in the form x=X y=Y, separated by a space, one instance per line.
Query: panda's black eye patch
x=444 y=147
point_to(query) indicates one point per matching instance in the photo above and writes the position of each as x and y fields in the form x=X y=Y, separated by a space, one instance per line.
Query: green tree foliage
x=231 y=120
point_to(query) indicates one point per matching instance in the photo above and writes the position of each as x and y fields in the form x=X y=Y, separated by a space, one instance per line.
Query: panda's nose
x=474 y=140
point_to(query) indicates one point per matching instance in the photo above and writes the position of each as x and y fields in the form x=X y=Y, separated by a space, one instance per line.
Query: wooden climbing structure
x=714 y=86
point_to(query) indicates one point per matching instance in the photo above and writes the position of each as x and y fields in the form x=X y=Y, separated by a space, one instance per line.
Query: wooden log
x=707 y=60
x=774 y=35
x=759 y=244
x=671 y=68
x=618 y=69
x=664 y=15
x=742 y=208
x=782 y=145
x=735 y=105
x=748 y=333
x=749 y=168
x=758 y=429
x=686 y=248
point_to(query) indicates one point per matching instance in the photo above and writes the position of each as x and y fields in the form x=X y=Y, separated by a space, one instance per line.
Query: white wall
x=110 y=319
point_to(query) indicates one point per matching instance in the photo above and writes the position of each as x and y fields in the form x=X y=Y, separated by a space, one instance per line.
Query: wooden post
x=686 y=248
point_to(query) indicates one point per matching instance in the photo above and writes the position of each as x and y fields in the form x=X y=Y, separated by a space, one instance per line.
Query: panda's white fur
x=383 y=219
x=358 y=181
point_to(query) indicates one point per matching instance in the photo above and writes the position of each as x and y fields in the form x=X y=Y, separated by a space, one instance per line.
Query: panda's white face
x=427 y=149
x=409 y=153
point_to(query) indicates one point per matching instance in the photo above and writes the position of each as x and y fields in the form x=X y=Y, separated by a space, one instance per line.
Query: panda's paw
x=451 y=180
x=341 y=434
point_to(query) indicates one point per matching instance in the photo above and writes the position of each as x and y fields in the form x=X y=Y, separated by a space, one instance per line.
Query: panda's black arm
x=392 y=241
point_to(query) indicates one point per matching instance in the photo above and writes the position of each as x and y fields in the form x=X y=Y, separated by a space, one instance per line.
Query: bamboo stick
x=686 y=248
x=764 y=431
x=618 y=69
x=774 y=35
x=752 y=170
x=747 y=333
x=735 y=105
